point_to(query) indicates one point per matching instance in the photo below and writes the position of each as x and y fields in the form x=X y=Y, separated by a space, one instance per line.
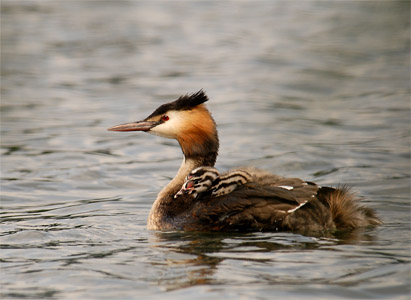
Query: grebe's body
x=247 y=199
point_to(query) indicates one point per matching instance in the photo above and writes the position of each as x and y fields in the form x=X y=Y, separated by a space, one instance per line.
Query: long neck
x=174 y=185
x=199 y=143
x=166 y=207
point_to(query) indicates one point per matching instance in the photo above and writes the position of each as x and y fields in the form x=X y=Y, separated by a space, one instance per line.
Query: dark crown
x=185 y=102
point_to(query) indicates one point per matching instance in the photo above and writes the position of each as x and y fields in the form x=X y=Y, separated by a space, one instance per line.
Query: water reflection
x=197 y=258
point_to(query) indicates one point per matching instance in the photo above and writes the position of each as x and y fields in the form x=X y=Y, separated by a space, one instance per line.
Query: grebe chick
x=198 y=181
x=258 y=202
x=208 y=179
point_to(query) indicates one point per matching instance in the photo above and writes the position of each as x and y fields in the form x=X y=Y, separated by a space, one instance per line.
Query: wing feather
x=252 y=206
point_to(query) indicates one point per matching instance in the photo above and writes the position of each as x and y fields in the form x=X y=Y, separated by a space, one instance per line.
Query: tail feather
x=345 y=208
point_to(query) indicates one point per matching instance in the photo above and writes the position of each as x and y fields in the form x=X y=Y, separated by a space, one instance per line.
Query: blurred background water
x=312 y=89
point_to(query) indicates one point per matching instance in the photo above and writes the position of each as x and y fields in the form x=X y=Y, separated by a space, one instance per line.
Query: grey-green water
x=313 y=89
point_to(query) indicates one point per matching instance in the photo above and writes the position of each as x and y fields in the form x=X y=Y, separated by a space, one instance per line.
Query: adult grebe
x=247 y=199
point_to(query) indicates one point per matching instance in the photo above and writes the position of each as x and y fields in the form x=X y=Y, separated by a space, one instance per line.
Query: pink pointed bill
x=134 y=126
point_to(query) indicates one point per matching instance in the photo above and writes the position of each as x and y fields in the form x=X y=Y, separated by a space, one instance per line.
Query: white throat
x=170 y=190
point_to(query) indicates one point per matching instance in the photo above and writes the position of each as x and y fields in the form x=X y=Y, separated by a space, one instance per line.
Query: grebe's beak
x=135 y=126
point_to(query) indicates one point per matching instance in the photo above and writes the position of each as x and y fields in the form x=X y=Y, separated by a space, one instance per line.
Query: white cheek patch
x=169 y=129
x=162 y=130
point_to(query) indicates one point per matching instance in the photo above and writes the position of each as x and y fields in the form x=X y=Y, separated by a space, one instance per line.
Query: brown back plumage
x=288 y=204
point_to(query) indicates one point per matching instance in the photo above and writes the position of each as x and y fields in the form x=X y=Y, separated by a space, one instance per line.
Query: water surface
x=313 y=89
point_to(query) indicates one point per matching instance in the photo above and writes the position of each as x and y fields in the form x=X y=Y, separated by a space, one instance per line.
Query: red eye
x=165 y=118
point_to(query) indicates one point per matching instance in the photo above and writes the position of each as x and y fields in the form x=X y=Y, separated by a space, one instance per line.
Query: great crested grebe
x=246 y=199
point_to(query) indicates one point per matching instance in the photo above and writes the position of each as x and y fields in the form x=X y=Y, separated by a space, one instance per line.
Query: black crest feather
x=185 y=102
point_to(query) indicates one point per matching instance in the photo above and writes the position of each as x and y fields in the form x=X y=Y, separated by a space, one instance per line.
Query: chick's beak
x=134 y=126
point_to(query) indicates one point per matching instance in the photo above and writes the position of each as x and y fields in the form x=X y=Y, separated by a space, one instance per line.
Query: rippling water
x=314 y=89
